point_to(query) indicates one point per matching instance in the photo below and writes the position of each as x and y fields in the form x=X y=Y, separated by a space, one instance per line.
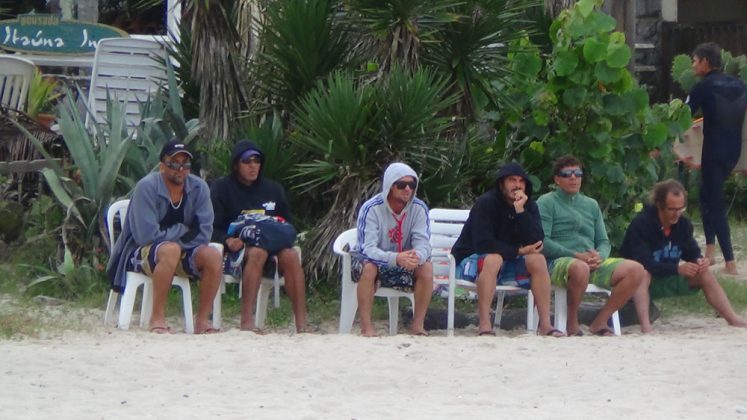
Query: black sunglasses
x=252 y=159
x=402 y=184
x=566 y=173
x=178 y=166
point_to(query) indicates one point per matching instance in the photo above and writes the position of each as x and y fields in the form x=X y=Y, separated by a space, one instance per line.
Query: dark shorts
x=233 y=263
x=144 y=260
x=393 y=277
x=512 y=273
x=670 y=286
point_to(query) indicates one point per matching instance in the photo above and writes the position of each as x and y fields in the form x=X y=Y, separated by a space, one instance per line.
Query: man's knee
x=535 y=262
x=492 y=263
x=169 y=254
x=255 y=256
x=578 y=273
x=424 y=272
x=369 y=272
x=208 y=258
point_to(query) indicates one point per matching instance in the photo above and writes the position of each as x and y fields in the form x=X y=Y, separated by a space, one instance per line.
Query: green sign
x=50 y=34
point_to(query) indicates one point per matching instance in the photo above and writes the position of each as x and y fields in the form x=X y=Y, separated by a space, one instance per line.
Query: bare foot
x=739 y=323
x=647 y=329
x=252 y=328
x=730 y=268
x=369 y=332
x=420 y=332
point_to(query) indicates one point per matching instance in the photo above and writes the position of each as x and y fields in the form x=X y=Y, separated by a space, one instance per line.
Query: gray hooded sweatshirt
x=379 y=238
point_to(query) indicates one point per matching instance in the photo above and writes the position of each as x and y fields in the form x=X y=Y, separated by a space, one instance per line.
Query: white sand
x=693 y=368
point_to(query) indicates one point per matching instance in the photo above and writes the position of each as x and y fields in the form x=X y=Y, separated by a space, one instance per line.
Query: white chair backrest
x=15 y=76
x=345 y=242
x=130 y=70
x=118 y=208
x=446 y=226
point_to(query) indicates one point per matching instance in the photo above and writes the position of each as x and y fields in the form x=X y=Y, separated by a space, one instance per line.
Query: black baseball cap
x=174 y=147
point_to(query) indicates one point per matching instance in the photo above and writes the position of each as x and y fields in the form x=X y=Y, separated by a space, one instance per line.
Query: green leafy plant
x=684 y=76
x=350 y=131
x=581 y=99
x=43 y=94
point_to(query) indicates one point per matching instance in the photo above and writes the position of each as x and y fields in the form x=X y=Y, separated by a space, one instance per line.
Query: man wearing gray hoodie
x=393 y=248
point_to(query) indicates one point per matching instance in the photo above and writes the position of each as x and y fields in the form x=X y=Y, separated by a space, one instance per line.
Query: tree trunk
x=88 y=10
x=624 y=12
x=554 y=7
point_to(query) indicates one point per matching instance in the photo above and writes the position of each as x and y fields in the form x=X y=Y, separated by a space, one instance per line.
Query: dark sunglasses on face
x=566 y=173
x=178 y=166
x=251 y=159
x=402 y=184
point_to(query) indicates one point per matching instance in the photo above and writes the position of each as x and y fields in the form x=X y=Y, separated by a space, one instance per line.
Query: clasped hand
x=408 y=260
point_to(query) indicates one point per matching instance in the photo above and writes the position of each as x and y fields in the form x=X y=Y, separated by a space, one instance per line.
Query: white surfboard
x=689 y=148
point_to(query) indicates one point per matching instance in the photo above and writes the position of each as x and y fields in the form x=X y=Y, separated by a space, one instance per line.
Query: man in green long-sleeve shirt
x=578 y=249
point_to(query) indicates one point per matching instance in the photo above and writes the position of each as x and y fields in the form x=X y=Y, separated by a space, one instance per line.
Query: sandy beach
x=692 y=368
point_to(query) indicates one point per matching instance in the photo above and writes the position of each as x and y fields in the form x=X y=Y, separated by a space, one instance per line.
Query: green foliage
x=350 y=131
x=684 y=76
x=583 y=101
x=303 y=41
x=471 y=49
x=43 y=94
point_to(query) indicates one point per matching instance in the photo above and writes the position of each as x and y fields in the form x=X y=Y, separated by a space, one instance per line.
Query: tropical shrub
x=582 y=100
x=350 y=131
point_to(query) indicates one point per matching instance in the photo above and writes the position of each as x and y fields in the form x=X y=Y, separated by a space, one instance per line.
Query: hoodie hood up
x=511 y=169
x=394 y=172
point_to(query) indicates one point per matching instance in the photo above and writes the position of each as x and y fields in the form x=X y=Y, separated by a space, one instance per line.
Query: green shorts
x=670 y=286
x=601 y=277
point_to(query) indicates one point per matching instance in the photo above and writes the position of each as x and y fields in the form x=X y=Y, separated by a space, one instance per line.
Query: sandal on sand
x=420 y=333
x=604 y=332
x=210 y=330
x=486 y=333
x=553 y=333
x=161 y=330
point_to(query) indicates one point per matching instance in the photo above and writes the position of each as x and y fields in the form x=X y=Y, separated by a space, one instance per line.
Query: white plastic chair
x=15 y=77
x=446 y=226
x=349 y=296
x=129 y=70
x=135 y=280
x=267 y=285
x=561 y=308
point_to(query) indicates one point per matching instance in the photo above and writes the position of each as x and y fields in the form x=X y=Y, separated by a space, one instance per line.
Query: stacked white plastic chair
x=446 y=225
x=135 y=281
x=15 y=77
x=128 y=70
x=349 y=297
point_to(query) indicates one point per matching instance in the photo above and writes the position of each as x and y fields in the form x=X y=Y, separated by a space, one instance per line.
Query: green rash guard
x=572 y=223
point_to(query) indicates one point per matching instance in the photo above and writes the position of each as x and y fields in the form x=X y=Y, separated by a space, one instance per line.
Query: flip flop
x=486 y=333
x=604 y=332
x=421 y=334
x=161 y=330
x=210 y=330
x=578 y=333
x=553 y=333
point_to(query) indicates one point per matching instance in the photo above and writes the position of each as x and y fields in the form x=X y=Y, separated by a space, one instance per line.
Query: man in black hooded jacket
x=501 y=241
x=246 y=191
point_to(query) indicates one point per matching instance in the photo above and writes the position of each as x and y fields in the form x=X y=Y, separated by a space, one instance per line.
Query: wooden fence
x=677 y=38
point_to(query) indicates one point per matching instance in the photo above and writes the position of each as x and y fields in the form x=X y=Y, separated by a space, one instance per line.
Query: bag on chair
x=270 y=233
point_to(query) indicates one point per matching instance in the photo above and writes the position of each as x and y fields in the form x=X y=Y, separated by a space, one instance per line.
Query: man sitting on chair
x=393 y=248
x=246 y=191
x=577 y=246
x=661 y=239
x=166 y=233
x=501 y=241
